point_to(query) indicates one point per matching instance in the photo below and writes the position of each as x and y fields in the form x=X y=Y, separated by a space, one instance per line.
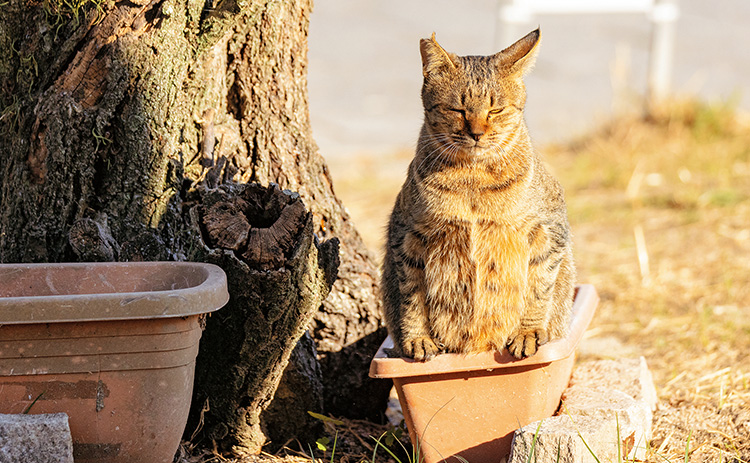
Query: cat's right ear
x=519 y=58
x=435 y=58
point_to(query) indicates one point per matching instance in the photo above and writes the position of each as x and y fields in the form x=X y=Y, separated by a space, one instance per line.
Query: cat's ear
x=434 y=57
x=519 y=58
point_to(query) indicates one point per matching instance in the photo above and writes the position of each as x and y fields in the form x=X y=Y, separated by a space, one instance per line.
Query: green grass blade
x=417 y=458
x=637 y=446
x=619 y=440
x=581 y=435
x=414 y=457
x=28 y=409
x=378 y=443
x=375 y=450
x=312 y=455
x=588 y=448
x=662 y=457
x=533 y=443
x=335 y=439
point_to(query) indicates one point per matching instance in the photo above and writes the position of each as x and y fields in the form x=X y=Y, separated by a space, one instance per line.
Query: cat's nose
x=475 y=128
x=476 y=136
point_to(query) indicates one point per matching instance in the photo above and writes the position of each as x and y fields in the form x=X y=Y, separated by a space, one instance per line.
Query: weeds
x=412 y=457
x=28 y=409
x=532 y=450
x=322 y=444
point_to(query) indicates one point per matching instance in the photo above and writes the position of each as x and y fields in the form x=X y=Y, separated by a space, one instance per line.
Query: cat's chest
x=475 y=257
x=469 y=204
x=475 y=195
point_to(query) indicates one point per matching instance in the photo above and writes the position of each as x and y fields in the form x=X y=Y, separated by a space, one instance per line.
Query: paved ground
x=365 y=75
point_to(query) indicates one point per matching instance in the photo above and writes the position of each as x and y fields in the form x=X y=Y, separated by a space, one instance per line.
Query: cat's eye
x=457 y=111
x=496 y=111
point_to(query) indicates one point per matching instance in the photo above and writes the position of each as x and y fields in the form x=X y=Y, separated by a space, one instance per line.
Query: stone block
x=588 y=402
x=604 y=347
x=607 y=399
x=577 y=439
x=630 y=376
x=43 y=438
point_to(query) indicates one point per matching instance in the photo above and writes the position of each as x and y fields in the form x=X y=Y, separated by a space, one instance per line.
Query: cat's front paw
x=420 y=349
x=525 y=343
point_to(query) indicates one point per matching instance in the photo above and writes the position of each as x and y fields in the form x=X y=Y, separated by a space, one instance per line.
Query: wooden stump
x=278 y=275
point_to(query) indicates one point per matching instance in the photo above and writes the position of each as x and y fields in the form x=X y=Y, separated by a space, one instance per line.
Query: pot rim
x=209 y=294
x=584 y=305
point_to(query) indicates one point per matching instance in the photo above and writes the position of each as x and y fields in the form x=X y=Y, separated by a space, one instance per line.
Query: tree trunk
x=277 y=276
x=111 y=111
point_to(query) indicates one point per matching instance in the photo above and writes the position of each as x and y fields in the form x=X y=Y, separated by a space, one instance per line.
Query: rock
x=576 y=439
x=35 y=439
x=604 y=347
x=630 y=376
x=393 y=411
x=617 y=414
x=607 y=399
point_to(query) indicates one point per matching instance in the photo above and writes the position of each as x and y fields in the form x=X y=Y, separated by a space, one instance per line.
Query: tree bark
x=277 y=276
x=348 y=328
x=112 y=111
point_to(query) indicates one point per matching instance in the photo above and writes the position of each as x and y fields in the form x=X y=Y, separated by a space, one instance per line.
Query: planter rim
x=203 y=289
x=584 y=305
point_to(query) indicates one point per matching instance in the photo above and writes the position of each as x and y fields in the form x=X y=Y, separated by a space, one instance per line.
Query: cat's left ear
x=434 y=57
x=519 y=58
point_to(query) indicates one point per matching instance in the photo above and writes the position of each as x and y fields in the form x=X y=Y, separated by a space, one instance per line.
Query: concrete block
x=605 y=347
x=393 y=411
x=41 y=438
x=618 y=412
x=596 y=403
x=606 y=399
x=576 y=439
x=630 y=376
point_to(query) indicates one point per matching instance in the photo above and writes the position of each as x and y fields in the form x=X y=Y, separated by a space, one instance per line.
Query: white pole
x=510 y=15
x=663 y=16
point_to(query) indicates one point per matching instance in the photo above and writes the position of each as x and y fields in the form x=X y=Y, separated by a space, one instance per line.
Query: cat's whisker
x=435 y=156
x=499 y=149
x=440 y=148
x=448 y=155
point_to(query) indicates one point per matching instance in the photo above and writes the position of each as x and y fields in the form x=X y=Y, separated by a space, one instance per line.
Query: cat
x=478 y=253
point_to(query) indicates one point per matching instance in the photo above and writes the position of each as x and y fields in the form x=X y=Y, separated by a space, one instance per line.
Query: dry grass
x=660 y=210
x=661 y=213
x=355 y=442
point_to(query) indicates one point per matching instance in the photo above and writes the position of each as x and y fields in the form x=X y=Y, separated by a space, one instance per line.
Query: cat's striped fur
x=478 y=253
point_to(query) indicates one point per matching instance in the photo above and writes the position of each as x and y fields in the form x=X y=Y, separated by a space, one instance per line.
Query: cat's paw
x=525 y=343
x=420 y=349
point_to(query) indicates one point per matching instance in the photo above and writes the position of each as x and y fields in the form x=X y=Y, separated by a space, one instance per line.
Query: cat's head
x=473 y=104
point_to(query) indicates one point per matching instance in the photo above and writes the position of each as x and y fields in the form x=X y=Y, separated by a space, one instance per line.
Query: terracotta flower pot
x=113 y=345
x=469 y=405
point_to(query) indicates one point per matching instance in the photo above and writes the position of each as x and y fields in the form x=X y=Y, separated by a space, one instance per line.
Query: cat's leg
x=549 y=249
x=417 y=342
x=404 y=289
x=562 y=296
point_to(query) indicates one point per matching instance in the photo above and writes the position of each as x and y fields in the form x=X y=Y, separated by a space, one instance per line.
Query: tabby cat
x=478 y=253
